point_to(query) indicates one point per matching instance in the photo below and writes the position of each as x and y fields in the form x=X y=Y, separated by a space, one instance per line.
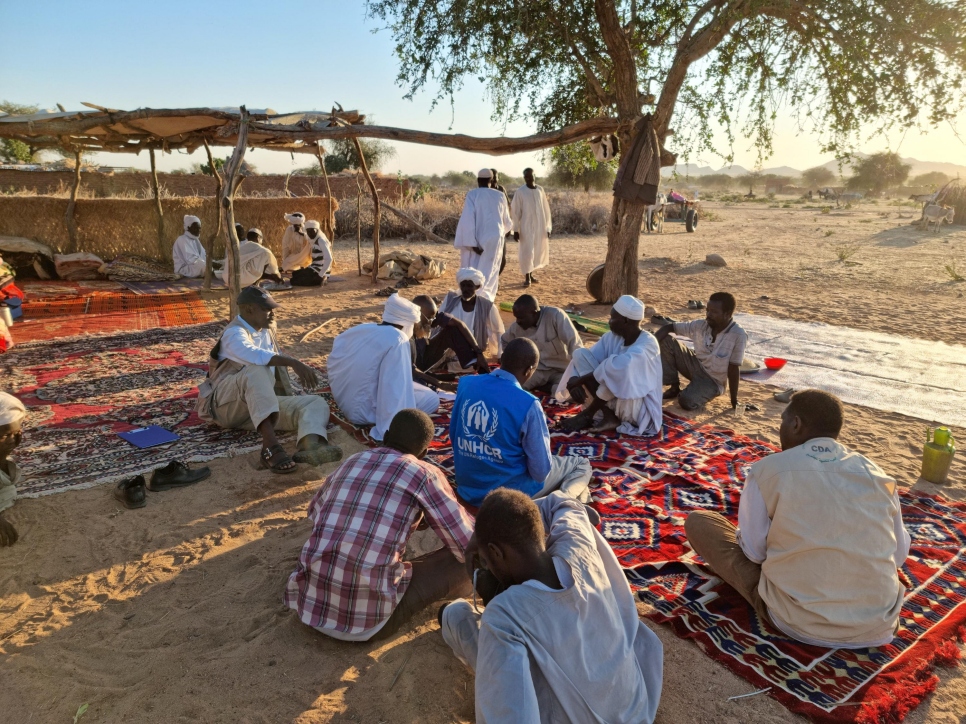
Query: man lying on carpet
x=249 y=388
x=619 y=377
x=500 y=436
x=819 y=537
x=371 y=369
x=554 y=334
x=12 y=413
x=562 y=641
x=437 y=333
x=719 y=348
x=351 y=582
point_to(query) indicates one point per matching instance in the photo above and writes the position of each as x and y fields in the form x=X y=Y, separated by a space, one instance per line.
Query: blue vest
x=485 y=432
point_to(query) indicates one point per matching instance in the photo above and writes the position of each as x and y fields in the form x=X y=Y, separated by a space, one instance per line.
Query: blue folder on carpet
x=150 y=436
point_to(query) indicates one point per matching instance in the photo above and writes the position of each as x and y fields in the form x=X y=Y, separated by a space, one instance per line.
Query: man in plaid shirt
x=351 y=582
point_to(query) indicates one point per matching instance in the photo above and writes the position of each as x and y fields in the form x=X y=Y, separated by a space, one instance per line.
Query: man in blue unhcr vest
x=500 y=436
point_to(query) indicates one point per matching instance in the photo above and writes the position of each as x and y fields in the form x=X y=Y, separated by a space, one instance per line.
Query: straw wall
x=107 y=227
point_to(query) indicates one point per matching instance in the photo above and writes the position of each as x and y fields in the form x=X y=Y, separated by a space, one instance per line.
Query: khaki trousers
x=245 y=399
x=713 y=538
x=542 y=378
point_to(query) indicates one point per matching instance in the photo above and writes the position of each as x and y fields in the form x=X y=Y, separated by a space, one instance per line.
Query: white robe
x=189 y=256
x=371 y=374
x=630 y=379
x=484 y=223
x=255 y=261
x=296 y=249
x=530 y=211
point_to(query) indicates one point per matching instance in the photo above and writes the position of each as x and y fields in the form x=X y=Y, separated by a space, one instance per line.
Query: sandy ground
x=173 y=613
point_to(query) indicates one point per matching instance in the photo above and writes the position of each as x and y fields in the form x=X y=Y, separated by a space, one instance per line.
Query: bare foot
x=610 y=422
x=577 y=422
x=318 y=454
x=671 y=392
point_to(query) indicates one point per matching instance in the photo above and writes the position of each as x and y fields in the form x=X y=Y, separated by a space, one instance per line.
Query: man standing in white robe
x=620 y=377
x=256 y=261
x=480 y=233
x=530 y=212
x=371 y=369
x=188 y=254
x=296 y=246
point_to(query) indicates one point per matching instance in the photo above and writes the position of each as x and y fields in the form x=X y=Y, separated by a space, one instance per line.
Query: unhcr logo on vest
x=479 y=424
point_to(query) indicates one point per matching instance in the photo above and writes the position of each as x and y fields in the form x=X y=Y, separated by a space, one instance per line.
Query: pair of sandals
x=280 y=462
x=695 y=304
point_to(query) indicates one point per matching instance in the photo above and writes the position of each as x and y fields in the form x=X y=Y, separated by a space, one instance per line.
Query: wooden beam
x=416 y=225
x=319 y=154
x=210 y=239
x=376 y=211
x=227 y=202
x=359 y=226
x=69 y=216
x=156 y=190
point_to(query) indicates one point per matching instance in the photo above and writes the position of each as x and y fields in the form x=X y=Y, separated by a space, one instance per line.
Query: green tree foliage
x=818 y=177
x=12 y=150
x=459 y=179
x=933 y=178
x=878 y=172
x=717 y=181
x=219 y=165
x=342 y=155
x=574 y=166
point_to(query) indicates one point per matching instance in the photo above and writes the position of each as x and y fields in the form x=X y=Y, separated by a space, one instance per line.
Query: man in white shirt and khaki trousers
x=248 y=388
x=820 y=535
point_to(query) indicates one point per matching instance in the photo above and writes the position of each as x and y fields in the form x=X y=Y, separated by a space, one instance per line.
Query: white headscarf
x=468 y=272
x=295 y=219
x=484 y=173
x=188 y=221
x=11 y=409
x=401 y=311
x=630 y=307
x=313 y=224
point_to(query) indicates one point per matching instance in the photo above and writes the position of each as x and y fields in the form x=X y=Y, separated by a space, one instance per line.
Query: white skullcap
x=630 y=307
x=189 y=220
x=11 y=409
x=474 y=275
x=484 y=173
x=401 y=311
x=296 y=218
x=257 y=231
x=313 y=224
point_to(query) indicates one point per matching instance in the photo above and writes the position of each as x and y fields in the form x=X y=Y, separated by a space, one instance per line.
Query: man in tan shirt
x=554 y=334
x=820 y=535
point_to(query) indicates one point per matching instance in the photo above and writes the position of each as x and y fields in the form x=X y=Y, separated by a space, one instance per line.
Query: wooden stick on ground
x=69 y=216
x=415 y=224
x=315 y=329
x=156 y=190
x=210 y=239
x=376 y=212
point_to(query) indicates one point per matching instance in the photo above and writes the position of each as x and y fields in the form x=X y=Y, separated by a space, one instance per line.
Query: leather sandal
x=283 y=464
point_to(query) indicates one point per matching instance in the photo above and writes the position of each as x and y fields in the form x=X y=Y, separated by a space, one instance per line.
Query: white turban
x=630 y=307
x=484 y=173
x=189 y=220
x=401 y=311
x=11 y=409
x=313 y=224
x=296 y=218
x=474 y=275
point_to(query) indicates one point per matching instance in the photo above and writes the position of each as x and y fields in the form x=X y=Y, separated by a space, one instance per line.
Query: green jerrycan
x=937 y=455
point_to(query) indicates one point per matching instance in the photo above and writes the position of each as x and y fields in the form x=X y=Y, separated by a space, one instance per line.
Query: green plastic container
x=937 y=455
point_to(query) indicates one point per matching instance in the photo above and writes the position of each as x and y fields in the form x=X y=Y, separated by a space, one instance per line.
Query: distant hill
x=918 y=167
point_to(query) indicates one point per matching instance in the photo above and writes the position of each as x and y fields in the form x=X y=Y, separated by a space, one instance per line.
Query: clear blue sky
x=287 y=55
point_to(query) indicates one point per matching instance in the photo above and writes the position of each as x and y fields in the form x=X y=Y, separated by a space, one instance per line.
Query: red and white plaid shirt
x=350 y=574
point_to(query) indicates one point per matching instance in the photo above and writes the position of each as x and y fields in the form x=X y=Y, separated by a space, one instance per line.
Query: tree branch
x=625 y=69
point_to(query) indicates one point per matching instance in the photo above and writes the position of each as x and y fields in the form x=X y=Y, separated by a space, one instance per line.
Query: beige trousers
x=246 y=398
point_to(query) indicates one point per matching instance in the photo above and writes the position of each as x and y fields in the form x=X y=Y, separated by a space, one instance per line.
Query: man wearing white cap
x=296 y=246
x=187 y=253
x=480 y=233
x=371 y=369
x=477 y=312
x=12 y=413
x=314 y=274
x=619 y=377
x=257 y=262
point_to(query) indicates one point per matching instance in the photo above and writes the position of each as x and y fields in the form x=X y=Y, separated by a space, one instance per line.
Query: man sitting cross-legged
x=562 y=642
x=719 y=348
x=553 y=333
x=12 y=414
x=819 y=538
x=619 y=377
x=256 y=261
x=500 y=436
x=371 y=369
x=435 y=333
x=477 y=312
x=248 y=388
x=351 y=582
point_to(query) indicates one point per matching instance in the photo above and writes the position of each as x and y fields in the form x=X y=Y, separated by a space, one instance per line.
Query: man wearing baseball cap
x=248 y=387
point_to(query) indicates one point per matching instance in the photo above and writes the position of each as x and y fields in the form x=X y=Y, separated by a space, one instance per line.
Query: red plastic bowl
x=775 y=363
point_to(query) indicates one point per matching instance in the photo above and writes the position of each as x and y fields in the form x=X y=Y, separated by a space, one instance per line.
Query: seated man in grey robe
x=562 y=640
x=554 y=334
x=12 y=414
x=249 y=388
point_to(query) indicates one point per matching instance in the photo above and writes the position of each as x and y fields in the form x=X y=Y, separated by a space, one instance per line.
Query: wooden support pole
x=376 y=211
x=156 y=190
x=320 y=153
x=359 y=225
x=230 y=184
x=69 y=216
x=415 y=224
x=210 y=238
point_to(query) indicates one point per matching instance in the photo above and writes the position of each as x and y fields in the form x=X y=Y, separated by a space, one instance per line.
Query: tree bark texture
x=156 y=190
x=359 y=227
x=623 y=234
x=320 y=154
x=376 y=211
x=229 y=186
x=69 y=216
x=210 y=238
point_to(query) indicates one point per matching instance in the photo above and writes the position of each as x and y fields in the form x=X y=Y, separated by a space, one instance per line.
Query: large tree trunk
x=623 y=234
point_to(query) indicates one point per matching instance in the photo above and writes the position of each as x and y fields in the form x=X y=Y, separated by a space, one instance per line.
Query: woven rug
x=80 y=393
x=49 y=289
x=176 y=287
x=644 y=488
